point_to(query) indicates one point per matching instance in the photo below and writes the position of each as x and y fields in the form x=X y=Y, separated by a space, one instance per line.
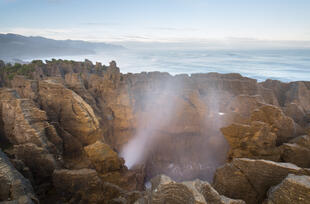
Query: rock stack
x=220 y=138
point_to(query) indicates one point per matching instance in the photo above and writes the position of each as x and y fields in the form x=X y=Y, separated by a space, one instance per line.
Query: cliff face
x=70 y=122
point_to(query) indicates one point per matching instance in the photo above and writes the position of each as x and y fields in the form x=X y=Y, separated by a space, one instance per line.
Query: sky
x=158 y=20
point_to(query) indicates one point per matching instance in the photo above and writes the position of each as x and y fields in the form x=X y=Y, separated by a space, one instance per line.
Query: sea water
x=284 y=65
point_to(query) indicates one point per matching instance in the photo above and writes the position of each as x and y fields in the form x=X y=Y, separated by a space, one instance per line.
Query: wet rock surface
x=65 y=126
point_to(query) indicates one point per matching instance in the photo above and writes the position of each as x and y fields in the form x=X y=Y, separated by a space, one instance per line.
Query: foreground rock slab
x=297 y=151
x=249 y=179
x=293 y=189
x=165 y=190
x=85 y=186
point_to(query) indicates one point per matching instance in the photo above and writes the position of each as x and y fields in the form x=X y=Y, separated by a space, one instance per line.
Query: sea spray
x=168 y=144
x=158 y=107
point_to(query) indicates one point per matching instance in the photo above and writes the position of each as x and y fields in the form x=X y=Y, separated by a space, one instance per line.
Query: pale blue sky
x=157 y=20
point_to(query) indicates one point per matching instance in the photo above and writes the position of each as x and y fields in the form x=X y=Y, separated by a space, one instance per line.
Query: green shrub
x=18 y=69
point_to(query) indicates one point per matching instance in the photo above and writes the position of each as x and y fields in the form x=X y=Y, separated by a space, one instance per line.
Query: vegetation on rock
x=18 y=69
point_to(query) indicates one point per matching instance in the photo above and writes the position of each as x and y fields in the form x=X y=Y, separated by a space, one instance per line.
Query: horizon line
x=167 y=40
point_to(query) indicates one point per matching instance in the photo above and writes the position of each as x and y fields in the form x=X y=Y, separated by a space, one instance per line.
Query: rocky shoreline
x=229 y=139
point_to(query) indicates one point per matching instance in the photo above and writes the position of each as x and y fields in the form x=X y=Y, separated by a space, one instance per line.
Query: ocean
x=285 y=65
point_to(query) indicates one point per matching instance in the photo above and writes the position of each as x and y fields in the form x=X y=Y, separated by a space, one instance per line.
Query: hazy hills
x=13 y=46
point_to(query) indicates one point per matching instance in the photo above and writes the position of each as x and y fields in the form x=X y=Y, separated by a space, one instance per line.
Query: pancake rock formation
x=78 y=132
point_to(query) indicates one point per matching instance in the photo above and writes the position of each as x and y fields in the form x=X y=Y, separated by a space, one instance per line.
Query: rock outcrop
x=251 y=141
x=249 y=180
x=46 y=141
x=297 y=151
x=165 y=190
x=13 y=186
x=293 y=189
x=85 y=186
x=30 y=137
x=25 y=123
x=64 y=124
x=103 y=157
x=259 y=134
x=283 y=126
x=82 y=185
x=73 y=114
x=110 y=167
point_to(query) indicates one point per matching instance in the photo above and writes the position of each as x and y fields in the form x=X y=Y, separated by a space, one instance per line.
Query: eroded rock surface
x=249 y=179
x=296 y=154
x=73 y=114
x=30 y=137
x=251 y=141
x=165 y=190
x=103 y=157
x=13 y=186
x=293 y=189
x=283 y=126
x=263 y=134
x=85 y=186
x=65 y=124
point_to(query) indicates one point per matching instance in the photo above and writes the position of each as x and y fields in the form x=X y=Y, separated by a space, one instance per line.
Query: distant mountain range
x=13 y=46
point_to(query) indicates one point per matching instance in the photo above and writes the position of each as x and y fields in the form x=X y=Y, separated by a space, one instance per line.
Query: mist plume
x=158 y=107
x=192 y=150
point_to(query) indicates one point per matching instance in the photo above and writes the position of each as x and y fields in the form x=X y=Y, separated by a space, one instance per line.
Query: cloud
x=180 y=39
x=136 y=37
x=100 y=23
x=173 y=29
x=96 y=34
x=58 y=34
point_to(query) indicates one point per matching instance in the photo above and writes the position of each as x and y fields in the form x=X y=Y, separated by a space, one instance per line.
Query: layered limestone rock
x=242 y=106
x=85 y=186
x=25 y=123
x=87 y=113
x=35 y=141
x=121 y=99
x=73 y=114
x=293 y=189
x=283 y=126
x=187 y=106
x=111 y=168
x=251 y=141
x=303 y=141
x=294 y=92
x=103 y=157
x=25 y=88
x=297 y=151
x=73 y=118
x=259 y=135
x=296 y=112
x=13 y=186
x=41 y=162
x=75 y=82
x=81 y=184
x=249 y=180
x=299 y=92
x=165 y=190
